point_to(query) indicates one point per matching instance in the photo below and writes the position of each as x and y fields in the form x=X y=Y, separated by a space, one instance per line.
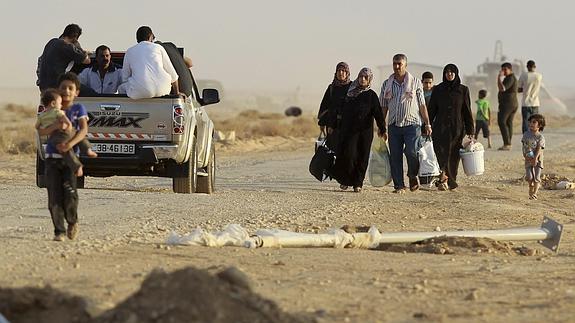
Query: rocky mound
x=193 y=295
x=187 y=295
x=32 y=305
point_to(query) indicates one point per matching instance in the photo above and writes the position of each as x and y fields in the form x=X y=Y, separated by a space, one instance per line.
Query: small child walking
x=483 y=117
x=533 y=145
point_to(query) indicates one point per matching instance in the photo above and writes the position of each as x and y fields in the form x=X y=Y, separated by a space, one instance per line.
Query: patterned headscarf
x=336 y=81
x=355 y=88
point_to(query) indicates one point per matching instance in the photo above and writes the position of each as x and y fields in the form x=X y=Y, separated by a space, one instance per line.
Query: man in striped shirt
x=404 y=107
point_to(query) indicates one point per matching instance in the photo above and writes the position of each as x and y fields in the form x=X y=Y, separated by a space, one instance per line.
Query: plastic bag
x=379 y=171
x=231 y=235
x=320 y=141
x=428 y=165
x=470 y=145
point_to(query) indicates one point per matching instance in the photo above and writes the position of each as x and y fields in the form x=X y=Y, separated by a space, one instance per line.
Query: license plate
x=128 y=149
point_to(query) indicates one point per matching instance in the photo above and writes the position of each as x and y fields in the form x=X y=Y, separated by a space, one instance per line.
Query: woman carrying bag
x=450 y=114
x=332 y=101
x=355 y=129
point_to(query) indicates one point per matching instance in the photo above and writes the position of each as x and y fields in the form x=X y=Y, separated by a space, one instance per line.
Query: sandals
x=343 y=187
x=442 y=184
x=413 y=184
x=399 y=191
x=357 y=189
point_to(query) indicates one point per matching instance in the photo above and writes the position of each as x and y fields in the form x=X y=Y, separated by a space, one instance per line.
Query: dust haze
x=271 y=55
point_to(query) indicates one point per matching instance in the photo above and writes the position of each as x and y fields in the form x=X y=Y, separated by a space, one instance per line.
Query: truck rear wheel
x=206 y=184
x=80 y=181
x=186 y=182
x=40 y=172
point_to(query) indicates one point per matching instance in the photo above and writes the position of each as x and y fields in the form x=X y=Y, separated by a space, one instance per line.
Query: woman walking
x=450 y=114
x=333 y=100
x=361 y=106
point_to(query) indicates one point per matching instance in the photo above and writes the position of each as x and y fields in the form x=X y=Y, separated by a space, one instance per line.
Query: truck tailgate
x=125 y=119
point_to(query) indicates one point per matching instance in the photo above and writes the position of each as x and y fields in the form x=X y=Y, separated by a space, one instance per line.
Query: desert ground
x=264 y=183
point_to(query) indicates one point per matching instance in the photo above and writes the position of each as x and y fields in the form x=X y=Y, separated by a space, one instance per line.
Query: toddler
x=533 y=145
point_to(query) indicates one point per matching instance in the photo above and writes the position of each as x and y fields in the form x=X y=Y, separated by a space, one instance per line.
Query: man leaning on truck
x=147 y=71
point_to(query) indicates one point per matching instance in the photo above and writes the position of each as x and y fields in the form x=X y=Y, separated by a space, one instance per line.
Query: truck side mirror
x=210 y=96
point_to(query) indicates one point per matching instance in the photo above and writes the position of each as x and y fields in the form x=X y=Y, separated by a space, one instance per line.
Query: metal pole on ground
x=548 y=234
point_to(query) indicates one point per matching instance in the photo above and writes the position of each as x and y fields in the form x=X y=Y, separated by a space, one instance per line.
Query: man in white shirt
x=103 y=77
x=147 y=71
x=529 y=85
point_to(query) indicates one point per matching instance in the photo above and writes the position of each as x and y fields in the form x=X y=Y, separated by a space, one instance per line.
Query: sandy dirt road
x=125 y=221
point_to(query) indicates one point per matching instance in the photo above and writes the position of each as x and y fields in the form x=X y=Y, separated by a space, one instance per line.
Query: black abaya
x=329 y=108
x=450 y=114
x=355 y=137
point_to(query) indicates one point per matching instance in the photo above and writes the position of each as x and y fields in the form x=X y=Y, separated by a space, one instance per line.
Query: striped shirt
x=404 y=113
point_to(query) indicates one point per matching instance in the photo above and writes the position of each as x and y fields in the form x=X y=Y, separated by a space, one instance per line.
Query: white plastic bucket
x=473 y=162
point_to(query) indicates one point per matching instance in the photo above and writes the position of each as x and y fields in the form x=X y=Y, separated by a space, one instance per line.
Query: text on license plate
x=114 y=148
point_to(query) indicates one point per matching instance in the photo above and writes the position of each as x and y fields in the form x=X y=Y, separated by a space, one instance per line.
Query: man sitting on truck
x=147 y=71
x=105 y=76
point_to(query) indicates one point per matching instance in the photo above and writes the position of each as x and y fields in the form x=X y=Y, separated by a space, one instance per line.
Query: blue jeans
x=526 y=112
x=404 y=140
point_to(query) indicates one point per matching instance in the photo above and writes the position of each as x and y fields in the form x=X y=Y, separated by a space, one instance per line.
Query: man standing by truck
x=58 y=54
x=147 y=71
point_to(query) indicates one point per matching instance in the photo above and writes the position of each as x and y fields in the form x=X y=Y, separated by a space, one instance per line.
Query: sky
x=266 y=45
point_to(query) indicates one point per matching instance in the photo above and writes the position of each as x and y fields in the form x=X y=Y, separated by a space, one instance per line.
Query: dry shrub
x=18 y=141
x=254 y=114
x=554 y=121
x=250 y=124
x=20 y=110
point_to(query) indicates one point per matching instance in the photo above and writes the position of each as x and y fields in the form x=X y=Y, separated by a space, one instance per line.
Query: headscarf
x=456 y=81
x=355 y=88
x=336 y=81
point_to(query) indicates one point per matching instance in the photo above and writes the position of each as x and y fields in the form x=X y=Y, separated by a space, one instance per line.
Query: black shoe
x=413 y=184
x=452 y=185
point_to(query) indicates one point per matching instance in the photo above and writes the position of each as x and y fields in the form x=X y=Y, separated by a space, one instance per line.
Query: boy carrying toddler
x=62 y=131
x=61 y=180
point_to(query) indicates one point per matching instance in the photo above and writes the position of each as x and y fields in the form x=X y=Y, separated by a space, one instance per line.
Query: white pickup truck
x=168 y=136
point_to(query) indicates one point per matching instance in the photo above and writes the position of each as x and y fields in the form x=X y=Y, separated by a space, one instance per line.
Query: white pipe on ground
x=504 y=234
x=549 y=235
